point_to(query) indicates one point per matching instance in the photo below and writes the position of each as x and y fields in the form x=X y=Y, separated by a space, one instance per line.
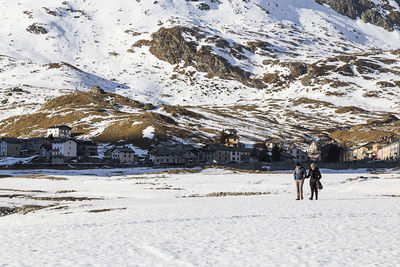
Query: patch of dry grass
x=314 y=102
x=350 y=109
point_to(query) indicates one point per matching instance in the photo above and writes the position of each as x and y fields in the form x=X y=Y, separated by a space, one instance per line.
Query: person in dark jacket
x=299 y=176
x=315 y=175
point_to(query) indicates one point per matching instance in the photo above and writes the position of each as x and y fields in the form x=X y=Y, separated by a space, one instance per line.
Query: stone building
x=59 y=131
x=10 y=147
x=65 y=148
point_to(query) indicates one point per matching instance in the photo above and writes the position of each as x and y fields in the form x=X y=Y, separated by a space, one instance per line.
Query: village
x=59 y=146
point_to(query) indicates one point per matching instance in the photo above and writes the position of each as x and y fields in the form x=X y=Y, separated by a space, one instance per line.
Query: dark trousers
x=314 y=188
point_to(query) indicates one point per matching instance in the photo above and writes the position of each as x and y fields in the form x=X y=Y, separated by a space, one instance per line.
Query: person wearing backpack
x=299 y=176
x=315 y=175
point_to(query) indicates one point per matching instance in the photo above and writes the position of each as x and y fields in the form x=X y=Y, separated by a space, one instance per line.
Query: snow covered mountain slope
x=287 y=68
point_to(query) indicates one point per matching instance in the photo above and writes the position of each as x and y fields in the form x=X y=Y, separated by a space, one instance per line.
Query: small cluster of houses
x=166 y=153
x=386 y=149
x=59 y=146
x=231 y=150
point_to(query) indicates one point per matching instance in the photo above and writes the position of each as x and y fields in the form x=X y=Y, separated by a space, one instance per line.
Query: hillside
x=293 y=69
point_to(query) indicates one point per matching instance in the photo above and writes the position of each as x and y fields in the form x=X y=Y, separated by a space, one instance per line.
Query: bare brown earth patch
x=226 y=194
x=19 y=190
x=69 y=198
x=4 y=211
x=358 y=178
x=65 y=191
x=42 y=177
x=105 y=210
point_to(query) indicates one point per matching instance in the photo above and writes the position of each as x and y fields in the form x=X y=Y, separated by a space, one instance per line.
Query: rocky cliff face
x=169 y=44
x=384 y=14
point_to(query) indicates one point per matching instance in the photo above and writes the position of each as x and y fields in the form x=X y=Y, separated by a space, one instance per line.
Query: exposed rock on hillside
x=169 y=44
x=36 y=29
x=368 y=11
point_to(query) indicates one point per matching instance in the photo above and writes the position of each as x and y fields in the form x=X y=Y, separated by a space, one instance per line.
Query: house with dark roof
x=59 y=131
x=231 y=138
x=46 y=152
x=177 y=154
x=123 y=155
x=86 y=149
x=213 y=153
x=298 y=154
x=32 y=146
x=10 y=147
x=64 y=148
x=395 y=149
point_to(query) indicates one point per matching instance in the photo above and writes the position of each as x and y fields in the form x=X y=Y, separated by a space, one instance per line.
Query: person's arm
x=294 y=174
x=309 y=174
x=319 y=175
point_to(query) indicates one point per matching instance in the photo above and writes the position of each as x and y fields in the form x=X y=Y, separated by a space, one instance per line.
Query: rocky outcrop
x=368 y=11
x=96 y=89
x=297 y=69
x=36 y=29
x=168 y=44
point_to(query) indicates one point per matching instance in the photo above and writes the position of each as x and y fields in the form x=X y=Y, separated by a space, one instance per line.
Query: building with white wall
x=59 y=131
x=66 y=148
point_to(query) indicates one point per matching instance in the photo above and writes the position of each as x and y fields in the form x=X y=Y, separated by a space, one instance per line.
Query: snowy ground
x=155 y=223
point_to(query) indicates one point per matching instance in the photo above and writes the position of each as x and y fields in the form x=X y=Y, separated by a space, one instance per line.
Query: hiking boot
x=310 y=198
x=297 y=198
x=301 y=198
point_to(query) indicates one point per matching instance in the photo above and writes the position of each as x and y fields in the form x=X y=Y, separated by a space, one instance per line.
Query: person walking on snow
x=299 y=176
x=315 y=175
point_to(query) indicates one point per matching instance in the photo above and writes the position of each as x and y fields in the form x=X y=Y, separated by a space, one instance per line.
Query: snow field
x=353 y=224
